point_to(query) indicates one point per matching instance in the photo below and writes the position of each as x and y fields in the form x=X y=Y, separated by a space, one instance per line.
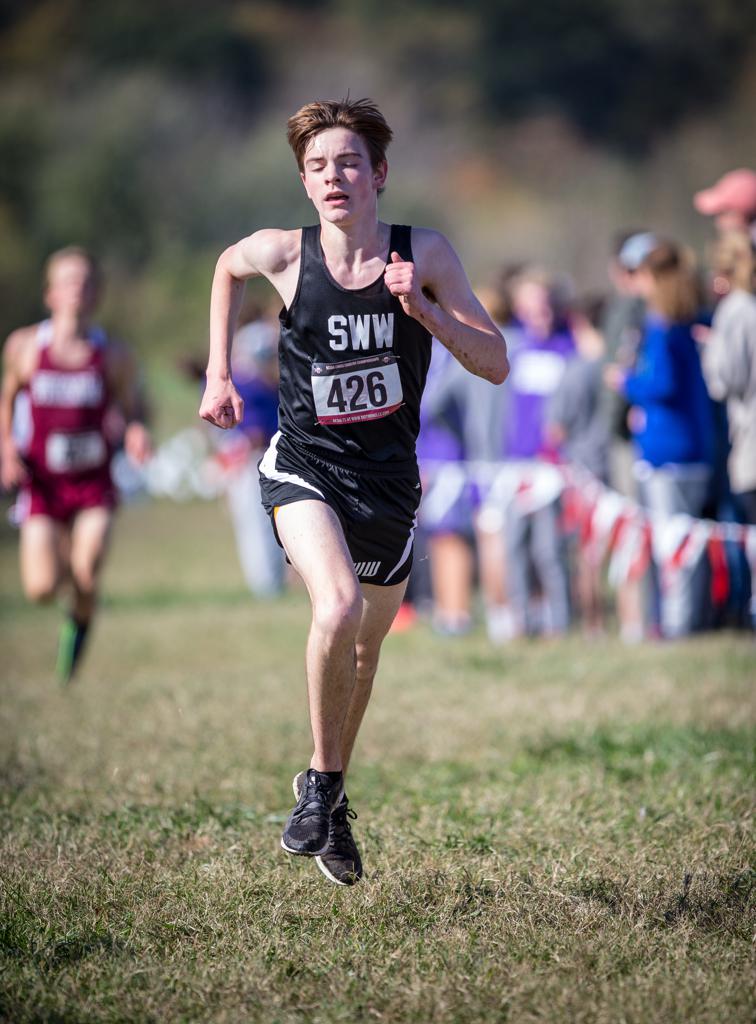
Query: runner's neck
x=353 y=256
x=66 y=327
x=70 y=338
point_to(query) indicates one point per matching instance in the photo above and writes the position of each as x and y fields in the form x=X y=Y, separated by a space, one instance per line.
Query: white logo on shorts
x=367 y=568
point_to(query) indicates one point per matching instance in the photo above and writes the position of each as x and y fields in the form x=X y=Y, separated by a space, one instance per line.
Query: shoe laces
x=313 y=799
x=340 y=818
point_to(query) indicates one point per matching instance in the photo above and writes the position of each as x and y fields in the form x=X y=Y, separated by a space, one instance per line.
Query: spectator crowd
x=616 y=469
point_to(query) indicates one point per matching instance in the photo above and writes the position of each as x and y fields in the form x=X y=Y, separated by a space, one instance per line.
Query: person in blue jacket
x=671 y=414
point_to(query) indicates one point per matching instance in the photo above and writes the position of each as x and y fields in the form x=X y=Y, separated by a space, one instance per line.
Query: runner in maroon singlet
x=81 y=389
x=68 y=456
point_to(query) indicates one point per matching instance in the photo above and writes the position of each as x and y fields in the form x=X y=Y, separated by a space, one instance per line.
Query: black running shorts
x=377 y=506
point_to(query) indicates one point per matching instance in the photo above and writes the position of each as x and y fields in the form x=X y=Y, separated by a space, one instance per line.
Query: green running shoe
x=70 y=647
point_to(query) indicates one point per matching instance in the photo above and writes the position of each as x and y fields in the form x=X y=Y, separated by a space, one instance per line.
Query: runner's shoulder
x=427 y=243
x=272 y=250
x=20 y=350
x=432 y=252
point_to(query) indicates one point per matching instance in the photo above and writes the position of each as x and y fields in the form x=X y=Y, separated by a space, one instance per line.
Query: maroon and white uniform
x=68 y=454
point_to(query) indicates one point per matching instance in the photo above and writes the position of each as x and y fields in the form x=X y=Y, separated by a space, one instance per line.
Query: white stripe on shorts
x=268 y=468
x=406 y=552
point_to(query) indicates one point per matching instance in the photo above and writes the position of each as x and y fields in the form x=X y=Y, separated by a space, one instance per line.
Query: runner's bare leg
x=379 y=608
x=41 y=539
x=90 y=535
x=314 y=542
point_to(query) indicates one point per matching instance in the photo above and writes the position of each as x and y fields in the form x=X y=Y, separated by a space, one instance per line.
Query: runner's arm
x=260 y=254
x=11 y=464
x=435 y=291
x=129 y=394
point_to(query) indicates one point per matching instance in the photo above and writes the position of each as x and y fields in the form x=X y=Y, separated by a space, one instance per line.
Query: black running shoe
x=73 y=636
x=341 y=863
x=306 y=831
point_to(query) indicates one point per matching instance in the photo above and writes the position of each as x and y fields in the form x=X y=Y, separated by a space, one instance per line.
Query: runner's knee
x=84 y=577
x=338 y=616
x=367 y=663
x=40 y=590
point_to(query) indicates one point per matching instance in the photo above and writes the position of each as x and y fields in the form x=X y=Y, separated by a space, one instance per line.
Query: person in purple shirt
x=534 y=542
x=537 y=366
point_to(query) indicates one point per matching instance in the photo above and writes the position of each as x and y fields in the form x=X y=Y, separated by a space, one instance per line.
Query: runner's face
x=71 y=287
x=339 y=178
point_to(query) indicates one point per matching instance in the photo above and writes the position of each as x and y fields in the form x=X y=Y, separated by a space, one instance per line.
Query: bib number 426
x=358 y=394
x=356 y=390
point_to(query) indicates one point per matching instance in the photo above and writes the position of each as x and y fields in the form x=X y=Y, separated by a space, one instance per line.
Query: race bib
x=356 y=390
x=68 y=453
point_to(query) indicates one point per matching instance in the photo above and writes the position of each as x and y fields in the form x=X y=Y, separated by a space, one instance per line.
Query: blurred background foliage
x=154 y=131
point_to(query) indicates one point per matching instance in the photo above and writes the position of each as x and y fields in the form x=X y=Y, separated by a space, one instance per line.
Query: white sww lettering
x=383 y=328
x=337 y=326
x=359 y=331
x=359 y=328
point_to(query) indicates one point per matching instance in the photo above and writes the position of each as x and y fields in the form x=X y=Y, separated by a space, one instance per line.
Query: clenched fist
x=221 y=404
x=401 y=280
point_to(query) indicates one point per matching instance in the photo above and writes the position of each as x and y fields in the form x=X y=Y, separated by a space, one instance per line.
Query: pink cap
x=734 y=192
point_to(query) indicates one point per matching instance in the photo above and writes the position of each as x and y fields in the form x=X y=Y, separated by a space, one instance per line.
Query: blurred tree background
x=154 y=132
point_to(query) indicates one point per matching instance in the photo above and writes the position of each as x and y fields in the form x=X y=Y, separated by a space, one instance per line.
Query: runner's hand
x=12 y=469
x=401 y=281
x=137 y=443
x=221 y=404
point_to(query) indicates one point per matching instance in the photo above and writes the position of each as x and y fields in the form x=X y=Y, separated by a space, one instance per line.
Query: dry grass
x=551 y=832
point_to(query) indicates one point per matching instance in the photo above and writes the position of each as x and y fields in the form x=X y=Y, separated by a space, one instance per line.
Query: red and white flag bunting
x=611 y=526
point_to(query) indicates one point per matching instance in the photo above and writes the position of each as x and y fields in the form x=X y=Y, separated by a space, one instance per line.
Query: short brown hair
x=77 y=251
x=359 y=116
x=676 y=292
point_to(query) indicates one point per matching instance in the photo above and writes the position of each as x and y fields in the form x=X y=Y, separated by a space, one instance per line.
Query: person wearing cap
x=622 y=327
x=622 y=319
x=731 y=201
x=672 y=416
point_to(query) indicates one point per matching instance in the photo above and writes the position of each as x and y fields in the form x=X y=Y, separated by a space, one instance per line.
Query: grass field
x=551 y=831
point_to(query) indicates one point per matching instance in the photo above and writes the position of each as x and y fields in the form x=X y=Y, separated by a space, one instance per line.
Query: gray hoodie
x=729 y=366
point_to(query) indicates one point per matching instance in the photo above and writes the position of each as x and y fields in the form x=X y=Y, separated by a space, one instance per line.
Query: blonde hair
x=675 y=293
x=732 y=256
x=359 y=116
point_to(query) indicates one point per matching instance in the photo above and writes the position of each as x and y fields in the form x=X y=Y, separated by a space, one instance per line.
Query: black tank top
x=352 y=364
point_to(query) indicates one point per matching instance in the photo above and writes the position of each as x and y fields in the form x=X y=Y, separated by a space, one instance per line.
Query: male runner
x=82 y=394
x=362 y=300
